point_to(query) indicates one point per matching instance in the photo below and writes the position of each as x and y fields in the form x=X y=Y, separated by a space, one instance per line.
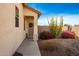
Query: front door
x=31 y=27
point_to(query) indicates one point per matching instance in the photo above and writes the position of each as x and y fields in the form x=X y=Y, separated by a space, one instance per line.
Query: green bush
x=54 y=28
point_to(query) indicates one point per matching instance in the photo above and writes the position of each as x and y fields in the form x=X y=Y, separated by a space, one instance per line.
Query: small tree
x=54 y=28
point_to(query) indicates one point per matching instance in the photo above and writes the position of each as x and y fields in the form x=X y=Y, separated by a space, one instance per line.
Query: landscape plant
x=55 y=28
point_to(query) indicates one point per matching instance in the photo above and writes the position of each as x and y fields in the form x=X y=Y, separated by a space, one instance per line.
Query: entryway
x=29 y=26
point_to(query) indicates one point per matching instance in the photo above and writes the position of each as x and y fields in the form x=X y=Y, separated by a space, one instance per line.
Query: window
x=16 y=17
x=24 y=23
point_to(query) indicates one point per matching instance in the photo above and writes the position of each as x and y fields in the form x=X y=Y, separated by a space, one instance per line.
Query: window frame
x=16 y=16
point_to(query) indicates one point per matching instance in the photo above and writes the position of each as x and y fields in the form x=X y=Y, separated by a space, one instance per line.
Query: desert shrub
x=45 y=35
x=68 y=34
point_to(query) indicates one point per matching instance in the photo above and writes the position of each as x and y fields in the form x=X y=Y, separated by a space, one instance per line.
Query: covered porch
x=29 y=46
x=30 y=22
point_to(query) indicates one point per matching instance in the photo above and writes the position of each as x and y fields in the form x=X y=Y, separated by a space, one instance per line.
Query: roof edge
x=32 y=9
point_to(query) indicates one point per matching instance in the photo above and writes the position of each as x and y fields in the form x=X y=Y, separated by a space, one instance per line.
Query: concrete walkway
x=29 y=48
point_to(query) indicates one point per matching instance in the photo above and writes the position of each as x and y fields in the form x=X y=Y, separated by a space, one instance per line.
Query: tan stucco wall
x=75 y=29
x=10 y=36
x=28 y=12
x=64 y=28
x=26 y=26
x=43 y=28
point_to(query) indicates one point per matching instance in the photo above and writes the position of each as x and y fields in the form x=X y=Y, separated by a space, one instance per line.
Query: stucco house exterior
x=16 y=20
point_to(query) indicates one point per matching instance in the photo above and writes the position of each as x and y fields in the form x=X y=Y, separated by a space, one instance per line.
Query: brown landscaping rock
x=59 y=47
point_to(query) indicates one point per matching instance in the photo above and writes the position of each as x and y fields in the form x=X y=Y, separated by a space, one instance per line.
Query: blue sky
x=69 y=11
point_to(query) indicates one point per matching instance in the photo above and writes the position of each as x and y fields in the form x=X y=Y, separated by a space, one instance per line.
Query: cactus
x=61 y=21
x=61 y=25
